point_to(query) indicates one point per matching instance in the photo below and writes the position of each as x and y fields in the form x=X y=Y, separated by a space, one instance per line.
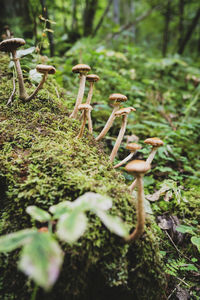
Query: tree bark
x=166 y=32
x=116 y=11
x=189 y=32
x=181 y=18
x=102 y=18
x=89 y=14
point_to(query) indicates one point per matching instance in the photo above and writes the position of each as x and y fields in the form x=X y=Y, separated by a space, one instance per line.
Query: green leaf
x=61 y=208
x=71 y=226
x=38 y=214
x=114 y=224
x=93 y=201
x=35 y=76
x=196 y=241
x=15 y=240
x=88 y=201
x=185 y=229
x=41 y=259
x=24 y=52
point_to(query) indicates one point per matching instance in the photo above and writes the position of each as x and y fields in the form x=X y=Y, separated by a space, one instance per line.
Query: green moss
x=42 y=163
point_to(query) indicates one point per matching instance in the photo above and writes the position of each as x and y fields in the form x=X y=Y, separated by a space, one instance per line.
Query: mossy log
x=42 y=163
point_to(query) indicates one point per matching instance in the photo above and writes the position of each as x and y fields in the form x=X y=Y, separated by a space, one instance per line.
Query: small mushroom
x=92 y=78
x=124 y=112
x=86 y=110
x=155 y=143
x=138 y=168
x=82 y=70
x=7 y=30
x=133 y=147
x=45 y=70
x=11 y=45
x=118 y=99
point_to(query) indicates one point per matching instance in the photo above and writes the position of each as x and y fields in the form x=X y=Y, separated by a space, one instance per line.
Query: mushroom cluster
x=136 y=167
x=10 y=45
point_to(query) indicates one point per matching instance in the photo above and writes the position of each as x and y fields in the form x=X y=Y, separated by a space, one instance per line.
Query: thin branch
x=136 y=21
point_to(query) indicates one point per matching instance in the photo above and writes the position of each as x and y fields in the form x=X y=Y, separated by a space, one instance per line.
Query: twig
x=57 y=93
x=13 y=91
x=180 y=253
x=175 y=288
x=167 y=118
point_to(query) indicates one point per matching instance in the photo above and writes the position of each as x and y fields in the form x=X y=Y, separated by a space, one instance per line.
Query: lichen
x=42 y=163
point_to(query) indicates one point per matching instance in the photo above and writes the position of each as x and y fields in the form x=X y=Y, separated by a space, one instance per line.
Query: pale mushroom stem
x=140 y=211
x=89 y=98
x=79 y=96
x=152 y=155
x=90 y=128
x=121 y=163
x=133 y=185
x=90 y=93
x=108 y=123
x=44 y=77
x=82 y=125
x=119 y=138
x=149 y=161
x=22 y=92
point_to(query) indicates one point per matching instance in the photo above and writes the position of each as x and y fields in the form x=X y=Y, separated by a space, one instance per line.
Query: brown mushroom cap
x=117 y=97
x=81 y=68
x=133 y=146
x=85 y=106
x=155 y=142
x=45 y=69
x=124 y=111
x=92 y=78
x=9 y=45
x=137 y=167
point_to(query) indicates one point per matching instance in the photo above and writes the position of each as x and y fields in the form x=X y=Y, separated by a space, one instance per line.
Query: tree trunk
x=48 y=26
x=74 y=17
x=189 y=32
x=102 y=17
x=166 y=28
x=89 y=14
x=181 y=18
x=116 y=11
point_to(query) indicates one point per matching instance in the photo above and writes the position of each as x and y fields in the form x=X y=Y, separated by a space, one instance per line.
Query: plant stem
x=119 y=138
x=34 y=294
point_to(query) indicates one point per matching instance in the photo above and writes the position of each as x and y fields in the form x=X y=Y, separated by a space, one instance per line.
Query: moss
x=42 y=163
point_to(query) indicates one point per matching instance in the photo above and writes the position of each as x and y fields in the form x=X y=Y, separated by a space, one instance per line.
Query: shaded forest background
x=160 y=26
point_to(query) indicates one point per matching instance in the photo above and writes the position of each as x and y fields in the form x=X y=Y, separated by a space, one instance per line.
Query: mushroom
x=133 y=147
x=7 y=30
x=82 y=70
x=92 y=78
x=118 y=99
x=45 y=70
x=138 y=168
x=86 y=111
x=124 y=112
x=155 y=143
x=11 y=45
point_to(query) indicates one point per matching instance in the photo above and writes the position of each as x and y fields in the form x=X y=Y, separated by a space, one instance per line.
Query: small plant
x=41 y=256
x=195 y=239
